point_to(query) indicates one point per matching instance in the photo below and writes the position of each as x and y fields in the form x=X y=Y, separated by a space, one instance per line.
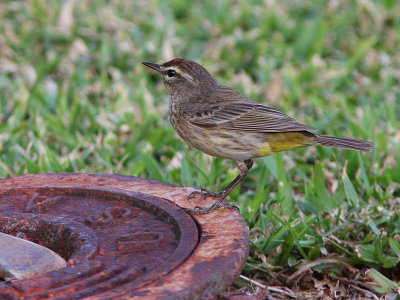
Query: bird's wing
x=246 y=116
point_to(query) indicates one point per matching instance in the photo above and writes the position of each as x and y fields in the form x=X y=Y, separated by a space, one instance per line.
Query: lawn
x=74 y=97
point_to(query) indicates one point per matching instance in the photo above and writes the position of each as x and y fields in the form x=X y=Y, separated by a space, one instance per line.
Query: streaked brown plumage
x=223 y=123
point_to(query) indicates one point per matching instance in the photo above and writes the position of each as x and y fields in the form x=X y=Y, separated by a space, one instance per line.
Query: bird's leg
x=244 y=168
x=225 y=192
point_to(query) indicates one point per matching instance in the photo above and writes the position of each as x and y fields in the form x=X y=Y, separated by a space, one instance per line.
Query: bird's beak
x=153 y=66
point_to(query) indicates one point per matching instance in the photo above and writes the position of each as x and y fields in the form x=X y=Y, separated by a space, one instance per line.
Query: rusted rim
x=215 y=262
x=86 y=239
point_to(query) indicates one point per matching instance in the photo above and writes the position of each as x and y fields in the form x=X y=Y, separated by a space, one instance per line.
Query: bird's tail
x=354 y=144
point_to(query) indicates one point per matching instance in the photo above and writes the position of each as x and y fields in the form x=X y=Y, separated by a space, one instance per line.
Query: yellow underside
x=277 y=142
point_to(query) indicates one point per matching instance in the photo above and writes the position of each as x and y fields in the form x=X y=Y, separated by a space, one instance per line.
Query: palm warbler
x=223 y=123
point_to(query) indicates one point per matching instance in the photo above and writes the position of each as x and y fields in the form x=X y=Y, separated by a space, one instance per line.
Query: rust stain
x=127 y=238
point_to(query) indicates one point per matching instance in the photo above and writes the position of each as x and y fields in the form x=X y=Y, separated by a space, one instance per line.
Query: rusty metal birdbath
x=121 y=237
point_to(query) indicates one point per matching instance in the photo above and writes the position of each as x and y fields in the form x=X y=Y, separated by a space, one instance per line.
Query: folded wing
x=246 y=116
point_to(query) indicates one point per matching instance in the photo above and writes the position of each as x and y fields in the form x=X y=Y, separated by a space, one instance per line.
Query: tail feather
x=354 y=144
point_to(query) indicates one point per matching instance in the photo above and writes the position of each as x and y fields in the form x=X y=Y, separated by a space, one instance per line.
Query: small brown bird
x=223 y=123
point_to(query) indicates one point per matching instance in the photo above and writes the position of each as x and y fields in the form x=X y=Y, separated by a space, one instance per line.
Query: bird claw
x=231 y=206
x=199 y=210
x=205 y=193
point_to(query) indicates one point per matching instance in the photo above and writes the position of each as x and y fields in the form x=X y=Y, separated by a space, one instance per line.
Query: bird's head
x=182 y=75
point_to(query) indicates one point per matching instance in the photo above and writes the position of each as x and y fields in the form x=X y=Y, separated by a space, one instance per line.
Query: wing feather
x=246 y=116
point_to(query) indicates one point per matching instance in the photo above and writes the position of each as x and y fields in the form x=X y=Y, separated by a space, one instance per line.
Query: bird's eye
x=171 y=73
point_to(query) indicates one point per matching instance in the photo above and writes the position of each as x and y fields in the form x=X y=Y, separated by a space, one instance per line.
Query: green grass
x=75 y=98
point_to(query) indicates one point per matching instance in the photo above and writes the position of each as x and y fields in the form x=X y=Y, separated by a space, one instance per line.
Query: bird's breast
x=216 y=142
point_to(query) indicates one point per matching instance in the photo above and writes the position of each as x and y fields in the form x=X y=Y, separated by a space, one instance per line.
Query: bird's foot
x=205 y=193
x=199 y=210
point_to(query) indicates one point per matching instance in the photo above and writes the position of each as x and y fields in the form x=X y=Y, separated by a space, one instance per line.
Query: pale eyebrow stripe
x=187 y=76
x=179 y=71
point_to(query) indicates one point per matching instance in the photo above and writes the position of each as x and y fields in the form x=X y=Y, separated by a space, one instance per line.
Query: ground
x=324 y=223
